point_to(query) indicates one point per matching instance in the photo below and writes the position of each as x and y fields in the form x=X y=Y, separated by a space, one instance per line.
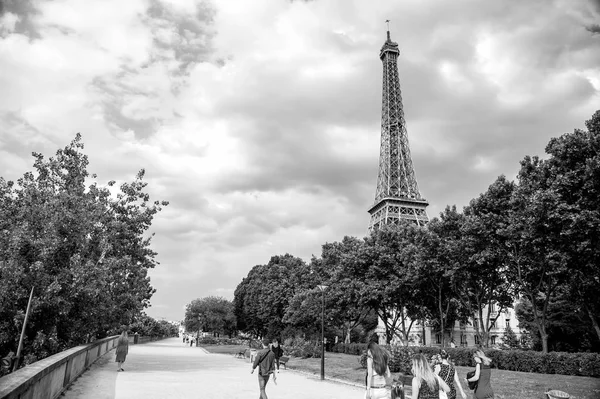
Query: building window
x=476 y=339
x=493 y=324
x=463 y=339
x=493 y=339
x=438 y=338
x=507 y=323
x=492 y=307
x=475 y=322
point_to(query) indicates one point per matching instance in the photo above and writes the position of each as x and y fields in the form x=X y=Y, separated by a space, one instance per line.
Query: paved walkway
x=168 y=369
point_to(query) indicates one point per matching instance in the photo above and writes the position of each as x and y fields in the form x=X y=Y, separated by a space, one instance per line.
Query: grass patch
x=506 y=384
x=225 y=349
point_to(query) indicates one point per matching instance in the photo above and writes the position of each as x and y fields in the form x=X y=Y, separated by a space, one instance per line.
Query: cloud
x=260 y=121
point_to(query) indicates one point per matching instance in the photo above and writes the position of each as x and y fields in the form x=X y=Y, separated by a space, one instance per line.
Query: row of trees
x=84 y=251
x=147 y=326
x=214 y=314
x=536 y=239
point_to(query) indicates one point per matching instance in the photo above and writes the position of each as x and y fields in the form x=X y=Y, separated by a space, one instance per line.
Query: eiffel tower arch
x=397 y=196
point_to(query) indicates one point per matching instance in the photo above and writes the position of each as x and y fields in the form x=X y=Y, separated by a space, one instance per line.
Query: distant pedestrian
x=452 y=343
x=483 y=373
x=425 y=383
x=265 y=361
x=447 y=372
x=276 y=349
x=122 y=350
x=377 y=372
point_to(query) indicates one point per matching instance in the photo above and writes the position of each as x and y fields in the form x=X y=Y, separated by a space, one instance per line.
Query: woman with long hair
x=483 y=373
x=447 y=372
x=425 y=383
x=122 y=349
x=377 y=372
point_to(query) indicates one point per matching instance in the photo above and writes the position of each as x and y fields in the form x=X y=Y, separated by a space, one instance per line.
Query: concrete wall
x=48 y=377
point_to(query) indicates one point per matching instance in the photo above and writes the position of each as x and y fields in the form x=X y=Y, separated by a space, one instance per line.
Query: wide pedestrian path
x=168 y=369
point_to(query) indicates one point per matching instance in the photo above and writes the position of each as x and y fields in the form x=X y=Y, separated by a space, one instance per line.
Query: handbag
x=398 y=390
x=472 y=384
x=442 y=393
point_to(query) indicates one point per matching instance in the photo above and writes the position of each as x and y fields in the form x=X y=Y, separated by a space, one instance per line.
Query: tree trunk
x=544 y=336
x=441 y=310
x=593 y=318
x=347 y=340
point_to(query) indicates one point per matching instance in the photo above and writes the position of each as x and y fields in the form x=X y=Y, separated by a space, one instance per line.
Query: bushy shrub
x=583 y=364
x=299 y=347
x=399 y=358
x=208 y=341
x=350 y=349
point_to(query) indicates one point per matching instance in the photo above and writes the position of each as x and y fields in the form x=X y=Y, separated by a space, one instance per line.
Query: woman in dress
x=377 y=372
x=447 y=372
x=122 y=349
x=483 y=374
x=425 y=383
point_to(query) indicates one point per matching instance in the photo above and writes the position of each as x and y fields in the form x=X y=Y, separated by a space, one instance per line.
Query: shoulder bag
x=472 y=384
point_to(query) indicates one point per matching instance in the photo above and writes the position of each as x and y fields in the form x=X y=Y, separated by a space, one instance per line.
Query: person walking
x=425 y=383
x=122 y=350
x=447 y=372
x=483 y=374
x=265 y=361
x=377 y=372
x=277 y=350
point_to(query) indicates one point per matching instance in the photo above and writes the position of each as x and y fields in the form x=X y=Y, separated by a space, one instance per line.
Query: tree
x=568 y=326
x=84 y=253
x=388 y=286
x=479 y=277
x=509 y=339
x=538 y=257
x=574 y=166
x=214 y=314
x=262 y=298
x=342 y=297
x=432 y=266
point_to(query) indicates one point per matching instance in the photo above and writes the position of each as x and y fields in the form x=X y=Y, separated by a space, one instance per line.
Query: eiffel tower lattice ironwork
x=397 y=196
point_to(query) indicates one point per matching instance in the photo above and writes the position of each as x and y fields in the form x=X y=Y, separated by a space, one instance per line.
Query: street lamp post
x=322 y=288
x=198 y=333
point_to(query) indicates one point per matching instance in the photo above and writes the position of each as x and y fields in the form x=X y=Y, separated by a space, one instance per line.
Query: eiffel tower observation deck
x=397 y=196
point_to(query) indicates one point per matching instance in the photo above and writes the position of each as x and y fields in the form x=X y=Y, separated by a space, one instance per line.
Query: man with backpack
x=265 y=361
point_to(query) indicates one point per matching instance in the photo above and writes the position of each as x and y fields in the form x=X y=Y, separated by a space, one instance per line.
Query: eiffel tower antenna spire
x=397 y=196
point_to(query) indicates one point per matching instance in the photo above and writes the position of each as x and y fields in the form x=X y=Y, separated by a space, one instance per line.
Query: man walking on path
x=265 y=361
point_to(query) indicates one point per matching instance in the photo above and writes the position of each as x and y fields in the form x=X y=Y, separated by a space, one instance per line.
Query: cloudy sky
x=260 y=120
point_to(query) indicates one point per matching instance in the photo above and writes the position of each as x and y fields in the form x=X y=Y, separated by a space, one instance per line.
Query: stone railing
x=49 y=377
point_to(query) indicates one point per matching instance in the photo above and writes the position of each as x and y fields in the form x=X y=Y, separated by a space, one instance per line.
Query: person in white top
x=377 y=372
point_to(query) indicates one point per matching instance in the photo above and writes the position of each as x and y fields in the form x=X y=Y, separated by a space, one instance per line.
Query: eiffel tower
x=397 y=196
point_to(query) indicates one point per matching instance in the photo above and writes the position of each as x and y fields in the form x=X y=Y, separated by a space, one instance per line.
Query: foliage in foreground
x=85 y=253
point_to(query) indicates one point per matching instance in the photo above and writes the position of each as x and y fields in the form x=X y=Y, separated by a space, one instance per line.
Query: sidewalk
x=168 y=369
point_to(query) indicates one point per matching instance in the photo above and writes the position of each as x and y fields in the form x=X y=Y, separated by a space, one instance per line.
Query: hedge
x=582 y=364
